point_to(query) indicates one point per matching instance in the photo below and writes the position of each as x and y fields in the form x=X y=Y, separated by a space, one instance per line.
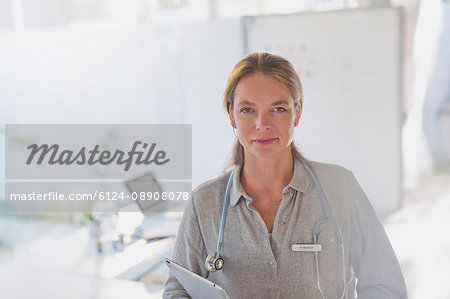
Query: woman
x=274 y=203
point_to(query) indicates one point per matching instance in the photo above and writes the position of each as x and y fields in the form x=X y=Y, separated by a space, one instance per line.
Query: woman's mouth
x=264 y=141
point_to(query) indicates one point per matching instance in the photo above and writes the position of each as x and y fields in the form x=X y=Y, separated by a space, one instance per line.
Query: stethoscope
x=214 y=261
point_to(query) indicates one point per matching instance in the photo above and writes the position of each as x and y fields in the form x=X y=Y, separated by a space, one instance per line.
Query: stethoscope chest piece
x=214 y=262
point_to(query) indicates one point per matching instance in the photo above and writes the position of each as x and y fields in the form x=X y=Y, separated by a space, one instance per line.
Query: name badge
x=306 y=247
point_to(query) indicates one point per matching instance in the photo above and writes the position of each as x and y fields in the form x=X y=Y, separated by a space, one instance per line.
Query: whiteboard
x=350 y=67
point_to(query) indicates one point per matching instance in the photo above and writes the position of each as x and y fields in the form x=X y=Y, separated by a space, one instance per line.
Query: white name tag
x=306 y=247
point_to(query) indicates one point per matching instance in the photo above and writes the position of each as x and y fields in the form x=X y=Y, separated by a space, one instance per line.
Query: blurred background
x=376 y=79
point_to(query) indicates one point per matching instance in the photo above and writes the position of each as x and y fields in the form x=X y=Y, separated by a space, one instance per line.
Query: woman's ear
x=230 y=115
x=297 y=115
x=232 y=121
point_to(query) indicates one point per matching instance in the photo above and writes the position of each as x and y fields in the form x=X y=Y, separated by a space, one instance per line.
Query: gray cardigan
x=262 y=265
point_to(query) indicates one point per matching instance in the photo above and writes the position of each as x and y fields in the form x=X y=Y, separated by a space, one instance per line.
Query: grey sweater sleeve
x=372 y=257
x=189 y=251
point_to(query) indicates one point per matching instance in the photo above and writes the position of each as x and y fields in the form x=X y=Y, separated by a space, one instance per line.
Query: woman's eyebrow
x=282 y=102
x=246 y=103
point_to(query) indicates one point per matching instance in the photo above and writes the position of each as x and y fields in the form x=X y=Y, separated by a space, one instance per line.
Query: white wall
x=209 y=52
x=426 y=85
x=437 y=105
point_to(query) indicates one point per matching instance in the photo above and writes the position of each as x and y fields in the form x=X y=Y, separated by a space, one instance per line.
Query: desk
x=19 y=283
x=57 y=260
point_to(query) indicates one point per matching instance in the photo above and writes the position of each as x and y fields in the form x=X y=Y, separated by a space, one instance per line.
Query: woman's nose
x=262 y=123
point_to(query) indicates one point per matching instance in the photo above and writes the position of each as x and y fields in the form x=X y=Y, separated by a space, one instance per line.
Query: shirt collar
x=300 y=181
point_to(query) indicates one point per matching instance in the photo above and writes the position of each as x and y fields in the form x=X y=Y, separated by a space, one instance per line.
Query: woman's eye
x=280 y=109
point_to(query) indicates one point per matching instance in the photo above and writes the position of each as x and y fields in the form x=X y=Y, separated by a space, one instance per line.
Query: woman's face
x=264 y=115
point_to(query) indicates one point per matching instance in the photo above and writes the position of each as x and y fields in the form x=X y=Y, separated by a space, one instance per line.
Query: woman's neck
x=267 y=174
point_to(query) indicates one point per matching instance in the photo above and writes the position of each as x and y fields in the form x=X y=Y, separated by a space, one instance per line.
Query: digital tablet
x=143 y=185
x=197 y=286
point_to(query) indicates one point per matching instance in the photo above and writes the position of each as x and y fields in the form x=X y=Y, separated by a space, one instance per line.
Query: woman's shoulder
x=333 y=175
x=328 y=169
x=335 y=178
x=212 y=187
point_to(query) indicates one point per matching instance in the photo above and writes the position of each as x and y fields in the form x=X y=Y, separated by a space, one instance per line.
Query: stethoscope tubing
x=226 y=200
x=325 y=219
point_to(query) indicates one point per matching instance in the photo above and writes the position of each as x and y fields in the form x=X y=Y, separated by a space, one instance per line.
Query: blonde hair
x=267 y=64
